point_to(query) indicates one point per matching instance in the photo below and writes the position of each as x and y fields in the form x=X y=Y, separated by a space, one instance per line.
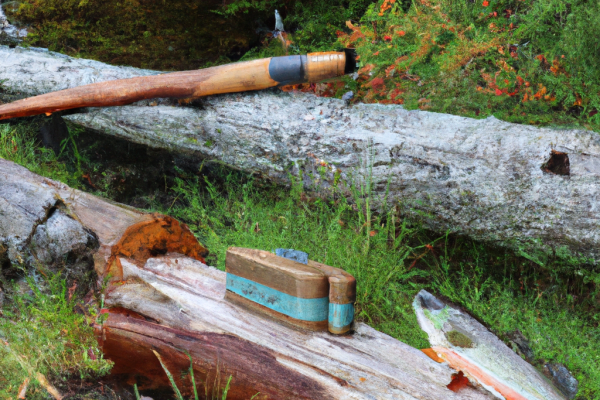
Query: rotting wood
x=77 y=223
x=480 y=178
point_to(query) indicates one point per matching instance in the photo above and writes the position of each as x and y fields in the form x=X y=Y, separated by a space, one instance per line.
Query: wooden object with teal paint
x=311 y=296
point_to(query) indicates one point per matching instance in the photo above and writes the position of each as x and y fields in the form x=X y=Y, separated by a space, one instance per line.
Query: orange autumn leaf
x=376 y=83
x=389 y=71
x=541 y=92
x=372 y=233
x=367 y=68
x=520 y=80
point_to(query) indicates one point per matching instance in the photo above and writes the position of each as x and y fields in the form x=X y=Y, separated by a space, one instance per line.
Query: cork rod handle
x=237 y=77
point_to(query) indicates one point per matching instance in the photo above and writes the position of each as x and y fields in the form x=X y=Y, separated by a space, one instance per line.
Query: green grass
x=18 y=143
x=40 y=333
x=393 y=260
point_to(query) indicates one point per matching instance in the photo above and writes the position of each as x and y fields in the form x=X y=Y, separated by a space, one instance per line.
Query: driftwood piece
x=45 y=222
x=468 y=346
x=176 y=304
x=520 y=186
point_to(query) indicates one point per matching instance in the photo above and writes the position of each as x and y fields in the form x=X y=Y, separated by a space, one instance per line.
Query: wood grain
x=260 y=353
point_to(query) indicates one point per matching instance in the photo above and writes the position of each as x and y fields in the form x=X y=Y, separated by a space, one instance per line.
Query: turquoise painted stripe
x=341 y=315
x=313 y=310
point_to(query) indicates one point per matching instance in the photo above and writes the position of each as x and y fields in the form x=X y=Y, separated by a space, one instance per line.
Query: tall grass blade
x=173 y=385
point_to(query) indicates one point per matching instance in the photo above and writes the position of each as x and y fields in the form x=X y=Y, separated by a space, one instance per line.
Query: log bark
x=531 y=189
x=44 y=222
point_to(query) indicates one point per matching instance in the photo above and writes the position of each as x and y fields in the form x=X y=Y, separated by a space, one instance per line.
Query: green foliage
x=174 y=35
x=40 y=331
x=392 y=261
x=19 y=144
x=531 y=62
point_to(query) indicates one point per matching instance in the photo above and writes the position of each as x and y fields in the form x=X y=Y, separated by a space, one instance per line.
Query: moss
x=459 y=339
x=174 y=35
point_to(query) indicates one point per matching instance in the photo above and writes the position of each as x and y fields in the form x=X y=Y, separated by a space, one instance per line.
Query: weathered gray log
x=488 y=179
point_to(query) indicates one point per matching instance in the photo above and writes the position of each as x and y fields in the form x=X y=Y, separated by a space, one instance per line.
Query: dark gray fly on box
x=308 y=295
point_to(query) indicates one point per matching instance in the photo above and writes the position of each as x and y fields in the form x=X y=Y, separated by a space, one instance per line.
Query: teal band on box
x=314 y=310
x=341 y=315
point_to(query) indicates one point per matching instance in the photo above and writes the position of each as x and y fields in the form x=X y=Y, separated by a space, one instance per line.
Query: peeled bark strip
x=45 y=222
x=176 y=304
x=520 y=186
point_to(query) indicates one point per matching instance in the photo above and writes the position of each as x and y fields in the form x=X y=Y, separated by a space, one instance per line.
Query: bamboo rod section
x=238 y=77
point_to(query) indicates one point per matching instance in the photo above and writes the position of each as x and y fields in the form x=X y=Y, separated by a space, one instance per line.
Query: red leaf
x=387 y=38
x=376 y=83
x=486 y=3
x=498 y=92
x=459 y=381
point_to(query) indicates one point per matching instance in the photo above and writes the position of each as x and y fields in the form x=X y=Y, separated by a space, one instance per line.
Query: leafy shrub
x=523 y=61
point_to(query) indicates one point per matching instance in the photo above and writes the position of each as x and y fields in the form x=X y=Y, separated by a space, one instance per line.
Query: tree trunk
x=44 y=222
x=531 y=189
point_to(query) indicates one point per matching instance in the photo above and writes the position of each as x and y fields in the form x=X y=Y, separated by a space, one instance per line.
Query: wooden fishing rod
x=238 y=77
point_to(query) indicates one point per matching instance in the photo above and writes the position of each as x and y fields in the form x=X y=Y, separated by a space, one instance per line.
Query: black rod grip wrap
x=288 y=70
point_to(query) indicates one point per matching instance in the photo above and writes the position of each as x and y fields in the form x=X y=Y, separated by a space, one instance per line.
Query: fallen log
x=164 y=299
x=44 y=222
x=531 y=189
x=175 y=304
x=469 y=347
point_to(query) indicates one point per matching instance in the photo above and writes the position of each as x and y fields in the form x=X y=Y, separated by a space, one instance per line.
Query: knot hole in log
x=557 y=164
